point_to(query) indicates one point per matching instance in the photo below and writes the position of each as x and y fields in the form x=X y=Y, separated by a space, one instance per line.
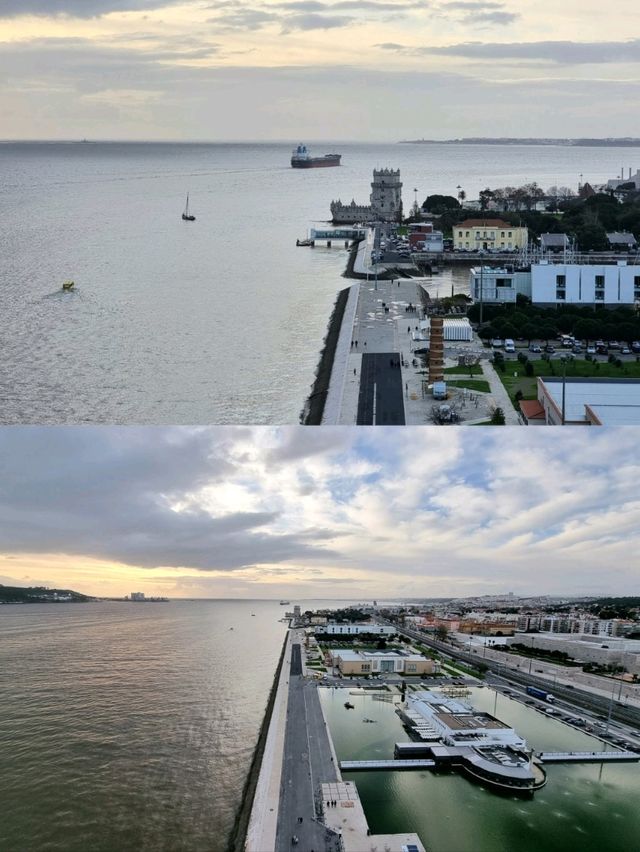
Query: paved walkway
x=500 y=395
x=261 y=833
x=307 y=764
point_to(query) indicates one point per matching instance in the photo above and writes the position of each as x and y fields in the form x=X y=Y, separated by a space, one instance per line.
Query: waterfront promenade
x=299 y=770
x=376 y=379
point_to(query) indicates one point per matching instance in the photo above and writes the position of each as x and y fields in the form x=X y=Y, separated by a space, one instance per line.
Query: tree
x=439 y=204
x=485 y=196
x=442 y=631
x=497 y=418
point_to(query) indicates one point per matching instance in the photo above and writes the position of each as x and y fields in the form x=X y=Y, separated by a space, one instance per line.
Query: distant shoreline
x=623 y=142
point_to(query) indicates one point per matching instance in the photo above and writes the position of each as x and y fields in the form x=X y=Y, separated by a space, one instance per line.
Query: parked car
x=613 y=344
x=549 y=349
x=625 y=351
x=602 y=350
x=534 y=347
x=635 y=346
x=591 y=350
x=577 y=348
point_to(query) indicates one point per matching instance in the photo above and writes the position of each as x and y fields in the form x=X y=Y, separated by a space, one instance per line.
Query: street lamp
x=564 y=383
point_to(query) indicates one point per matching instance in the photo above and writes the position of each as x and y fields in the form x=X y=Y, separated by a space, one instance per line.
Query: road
x=381 y=400
x=307 y=764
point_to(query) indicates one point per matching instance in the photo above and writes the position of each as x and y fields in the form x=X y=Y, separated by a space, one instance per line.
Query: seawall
x=314 y=406
x=245 y=816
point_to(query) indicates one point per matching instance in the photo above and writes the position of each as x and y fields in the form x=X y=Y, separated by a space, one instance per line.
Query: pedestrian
x=354 y=371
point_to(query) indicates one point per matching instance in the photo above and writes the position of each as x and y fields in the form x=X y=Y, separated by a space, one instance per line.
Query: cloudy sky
x=238 y=512
x=317 y=69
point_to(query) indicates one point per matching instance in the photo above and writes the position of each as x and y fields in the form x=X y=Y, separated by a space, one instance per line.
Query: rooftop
x=610 y=401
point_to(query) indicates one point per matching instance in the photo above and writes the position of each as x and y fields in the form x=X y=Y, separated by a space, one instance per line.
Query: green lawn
x=475 y=370
x=580 y=368
x=471 y=384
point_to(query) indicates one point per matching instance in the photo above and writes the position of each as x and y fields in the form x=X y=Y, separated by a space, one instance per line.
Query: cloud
x=76 y=8
x=463 y=511
x=560 y=52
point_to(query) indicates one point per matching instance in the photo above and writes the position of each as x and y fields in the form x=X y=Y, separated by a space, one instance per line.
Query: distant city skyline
x=379 y=70
x=335 y=513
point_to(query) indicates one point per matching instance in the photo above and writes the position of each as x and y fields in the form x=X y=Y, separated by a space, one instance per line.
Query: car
x=602 y=350
x=534 y=347
x=550 y=349
x=591 y=350
x=625 y=351
x=635 y=346
x=613 y=344
x=577 y=348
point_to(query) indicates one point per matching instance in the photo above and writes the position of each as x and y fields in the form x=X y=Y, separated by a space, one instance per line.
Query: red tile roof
x=532 y=409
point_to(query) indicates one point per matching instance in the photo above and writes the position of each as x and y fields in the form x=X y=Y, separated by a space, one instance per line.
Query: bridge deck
x=352 y=765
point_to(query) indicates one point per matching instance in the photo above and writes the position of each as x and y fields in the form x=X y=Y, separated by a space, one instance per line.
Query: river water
x=216 y=321
x=589 y=807
x=132 y=726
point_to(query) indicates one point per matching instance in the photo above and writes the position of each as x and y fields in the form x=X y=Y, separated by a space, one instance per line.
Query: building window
x=599 y=280
x=459 y=233
x=599 y=295
x=636 y=281
x=502 y=233
x=510 y=234
x=411 y=667
x=636 y=294
x=561 y=295
x=561 y=281
x=466 y=234
x=503 y=282
x=366 y=667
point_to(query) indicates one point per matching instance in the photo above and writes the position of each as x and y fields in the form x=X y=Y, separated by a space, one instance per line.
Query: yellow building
x=488 y=235
x=382 y=662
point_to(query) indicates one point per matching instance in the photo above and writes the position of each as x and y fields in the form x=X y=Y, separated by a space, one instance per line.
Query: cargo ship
x=302 y=159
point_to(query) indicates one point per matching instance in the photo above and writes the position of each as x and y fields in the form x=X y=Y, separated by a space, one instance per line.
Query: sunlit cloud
x=291 y=510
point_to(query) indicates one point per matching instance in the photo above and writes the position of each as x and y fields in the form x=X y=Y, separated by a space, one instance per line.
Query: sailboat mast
x=186 y=209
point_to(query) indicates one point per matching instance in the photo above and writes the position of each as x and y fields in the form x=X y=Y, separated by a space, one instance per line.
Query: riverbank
x=252 y=825
x=314 y=406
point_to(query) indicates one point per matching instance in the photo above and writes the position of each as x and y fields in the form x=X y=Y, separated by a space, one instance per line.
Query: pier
x=375 y=765
x=588 y=756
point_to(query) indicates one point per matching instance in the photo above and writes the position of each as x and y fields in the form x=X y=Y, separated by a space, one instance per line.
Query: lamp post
x=481 y=284
x=564 y=383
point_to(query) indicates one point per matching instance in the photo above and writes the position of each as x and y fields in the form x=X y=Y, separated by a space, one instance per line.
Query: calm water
x=582 y=807
x=216 y=321
x=130 y=726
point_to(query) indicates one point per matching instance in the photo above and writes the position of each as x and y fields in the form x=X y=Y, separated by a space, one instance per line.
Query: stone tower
x=436 y=350
x=386 y=195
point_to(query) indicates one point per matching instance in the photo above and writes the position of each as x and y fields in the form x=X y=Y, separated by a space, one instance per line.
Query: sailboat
x=186 y=215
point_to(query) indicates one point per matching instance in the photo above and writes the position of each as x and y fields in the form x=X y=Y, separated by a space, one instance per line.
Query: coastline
x=314 y=406
x=239 y=836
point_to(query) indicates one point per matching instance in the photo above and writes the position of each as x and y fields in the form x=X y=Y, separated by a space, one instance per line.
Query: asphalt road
x=381 y=400
x=306 y=765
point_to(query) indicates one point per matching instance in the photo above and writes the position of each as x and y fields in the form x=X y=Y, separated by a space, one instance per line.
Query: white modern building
x=601 y=650
x=499 y=285
x=585 y=284
x=352 y=629
x=590 y=402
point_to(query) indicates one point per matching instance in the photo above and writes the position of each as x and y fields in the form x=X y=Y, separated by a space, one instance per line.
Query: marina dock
x=375 y=765
x=588 y=756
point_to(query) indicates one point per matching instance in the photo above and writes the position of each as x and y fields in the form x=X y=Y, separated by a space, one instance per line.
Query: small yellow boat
x=68 y=285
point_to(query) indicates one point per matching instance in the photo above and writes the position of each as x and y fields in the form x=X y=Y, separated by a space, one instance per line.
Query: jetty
x=588 y=756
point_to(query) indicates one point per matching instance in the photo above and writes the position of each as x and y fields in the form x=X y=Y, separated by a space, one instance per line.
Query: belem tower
x=385 y=198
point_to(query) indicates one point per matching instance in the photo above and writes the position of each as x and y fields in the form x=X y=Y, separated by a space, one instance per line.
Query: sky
x=375 y=70
x=290 y=512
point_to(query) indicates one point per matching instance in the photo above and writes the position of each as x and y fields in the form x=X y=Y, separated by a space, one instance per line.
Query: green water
x=585 y=807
